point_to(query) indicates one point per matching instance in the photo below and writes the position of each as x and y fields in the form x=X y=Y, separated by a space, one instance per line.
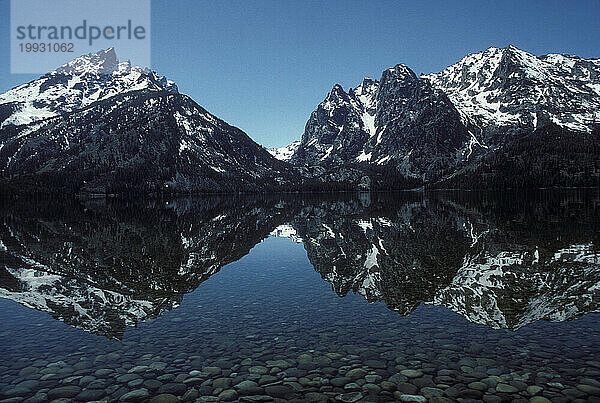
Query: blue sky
x=265 y=65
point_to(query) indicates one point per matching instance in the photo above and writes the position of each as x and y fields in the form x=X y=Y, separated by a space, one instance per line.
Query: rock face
x=101 y=126
x=399 y=123
x=488 y=121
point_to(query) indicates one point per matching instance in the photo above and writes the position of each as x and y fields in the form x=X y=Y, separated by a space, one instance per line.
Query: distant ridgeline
x=501 y=118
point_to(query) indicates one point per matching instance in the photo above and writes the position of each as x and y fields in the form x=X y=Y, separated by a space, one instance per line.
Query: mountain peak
x=337 y=88
x=101 y=62
x=400 y=71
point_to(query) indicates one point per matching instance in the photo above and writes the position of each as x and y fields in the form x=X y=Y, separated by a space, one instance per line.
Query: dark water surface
x=353 y=297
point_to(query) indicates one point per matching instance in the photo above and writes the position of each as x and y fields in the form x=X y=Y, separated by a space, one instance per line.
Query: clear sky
x=265 y=65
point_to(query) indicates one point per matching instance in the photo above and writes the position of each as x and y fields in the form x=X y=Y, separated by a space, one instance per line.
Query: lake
x=436 y=296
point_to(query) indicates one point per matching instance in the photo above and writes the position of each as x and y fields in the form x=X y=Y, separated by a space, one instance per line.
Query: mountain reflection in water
x=499 y=260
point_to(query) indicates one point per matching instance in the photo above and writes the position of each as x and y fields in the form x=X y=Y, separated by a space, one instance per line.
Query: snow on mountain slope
x=75 y=85
x=510 y=87
x=284 y=153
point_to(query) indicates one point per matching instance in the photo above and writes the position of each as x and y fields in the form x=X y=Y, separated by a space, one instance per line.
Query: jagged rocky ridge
x=497 y=261
x=96 y=125
x=500 y=118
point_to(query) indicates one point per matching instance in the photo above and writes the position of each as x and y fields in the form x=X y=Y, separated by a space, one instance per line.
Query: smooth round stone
x=373 y=378
x=478 y=386
x=86 y=380
x=173 y=388
x=29 y=385
x=411 y=373
x=139 y=368
x=193 y=381
x=322 y=361
x=371 y=389
x=15 y=392
x=228 y=395
x=158 y=366
x=283 y=364
x=63 y=391
x=127 y=378
x=164 y=398
x=28 y=371
x=88 y=395
x=280 y=391
x=589 y=381
x=259 y=369
x=539 y=399
x=376 y=364
x=223 y=383
x=135 y=383
x=265 y=379
x=356 y=373
x=387 y=385
x=190 y=396
x=429 y=392
x=37 y=398
x=407 y=388
x=248 y=388
x=103 y=372
x=212 y=370
x=349 y=397
x=505 y=388
x=152 y=384
x=589 y=389
x=315 y=397
x=492 y=399
x=413 y=398
x=340 y=382
x=352 y=386
x=304 y=358
x=136 y=395
x=534 y=389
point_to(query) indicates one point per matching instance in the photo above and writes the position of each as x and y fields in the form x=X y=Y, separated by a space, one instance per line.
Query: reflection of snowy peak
x=430 y=253
x=81 y=304
x=102 y=269
x=286 y=231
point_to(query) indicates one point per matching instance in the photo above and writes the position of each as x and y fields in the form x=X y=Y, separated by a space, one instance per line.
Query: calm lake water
x=349 y=297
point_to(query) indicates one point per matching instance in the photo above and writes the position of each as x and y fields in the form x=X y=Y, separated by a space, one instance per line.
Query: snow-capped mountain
x=510 y=87
x=98 y=125
x=75 y=85
x=285 y=153
x=499 y=118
